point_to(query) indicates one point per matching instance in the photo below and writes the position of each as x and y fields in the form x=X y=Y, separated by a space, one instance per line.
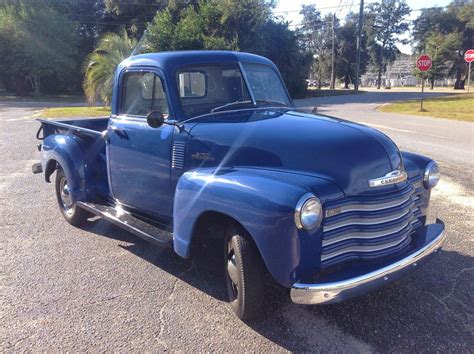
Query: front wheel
x=244 y=275
x=73 y=214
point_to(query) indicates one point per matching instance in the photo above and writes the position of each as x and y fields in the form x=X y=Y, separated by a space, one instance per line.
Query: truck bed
x=87 y=126
x=87 y=150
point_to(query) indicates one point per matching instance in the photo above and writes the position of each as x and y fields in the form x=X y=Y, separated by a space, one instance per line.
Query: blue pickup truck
x=210 y=145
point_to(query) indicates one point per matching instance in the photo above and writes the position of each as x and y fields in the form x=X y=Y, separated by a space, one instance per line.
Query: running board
x=127 y=221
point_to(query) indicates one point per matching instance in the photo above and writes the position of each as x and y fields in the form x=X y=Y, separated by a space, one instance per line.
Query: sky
x=289 y=10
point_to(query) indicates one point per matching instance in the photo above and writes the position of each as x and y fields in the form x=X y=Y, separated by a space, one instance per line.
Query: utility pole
x=359 y=44
x=333 y=54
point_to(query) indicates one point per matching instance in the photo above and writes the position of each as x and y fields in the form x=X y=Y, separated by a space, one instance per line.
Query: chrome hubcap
x=232 y=269
x=66 y=199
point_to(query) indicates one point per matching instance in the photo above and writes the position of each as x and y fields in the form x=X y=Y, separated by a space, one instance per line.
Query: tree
x=232 y=25
x=347 y=51
x=133 y=15
x=282 y=46
x=386 y=20
x=446 y=33
x=199 y=28
x=100 y=65
x=36 y=43
x=315 y=36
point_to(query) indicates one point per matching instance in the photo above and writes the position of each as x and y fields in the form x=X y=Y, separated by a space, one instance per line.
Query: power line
x=407 y=20
x=320 y=8
x=339 y=7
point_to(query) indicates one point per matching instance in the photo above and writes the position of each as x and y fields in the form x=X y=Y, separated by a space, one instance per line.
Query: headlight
x=308 y=212
x=431 y=176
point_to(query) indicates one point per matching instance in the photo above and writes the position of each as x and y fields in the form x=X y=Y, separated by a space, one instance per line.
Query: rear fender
x=263 y=202
x=65 y=151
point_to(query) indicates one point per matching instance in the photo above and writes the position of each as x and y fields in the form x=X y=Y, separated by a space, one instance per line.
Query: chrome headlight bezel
x=308 y=212
x=431 y=175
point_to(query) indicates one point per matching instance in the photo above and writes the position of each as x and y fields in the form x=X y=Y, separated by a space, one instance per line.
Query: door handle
x=120 y=132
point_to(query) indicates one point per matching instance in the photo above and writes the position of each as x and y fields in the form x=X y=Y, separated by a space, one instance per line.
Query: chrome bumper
x=326 y=293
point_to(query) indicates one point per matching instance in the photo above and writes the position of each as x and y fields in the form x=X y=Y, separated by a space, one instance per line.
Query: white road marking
x=17 y=119
x=402 y=130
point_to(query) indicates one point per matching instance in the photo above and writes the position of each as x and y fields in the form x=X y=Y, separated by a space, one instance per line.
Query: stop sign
x=469 y=55
x=423 y=63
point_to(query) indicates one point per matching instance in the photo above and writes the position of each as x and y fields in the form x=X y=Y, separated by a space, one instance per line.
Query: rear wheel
x=244 y=275
x=73 y=214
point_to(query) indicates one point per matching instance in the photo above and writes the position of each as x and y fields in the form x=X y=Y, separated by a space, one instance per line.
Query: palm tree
x=99 y=66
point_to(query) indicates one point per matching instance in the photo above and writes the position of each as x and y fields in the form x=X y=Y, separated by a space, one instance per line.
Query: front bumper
x=332 y=292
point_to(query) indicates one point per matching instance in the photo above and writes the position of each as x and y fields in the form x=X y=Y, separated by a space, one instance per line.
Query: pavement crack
x=165 y=303
x=19 y=341
x=455 y=282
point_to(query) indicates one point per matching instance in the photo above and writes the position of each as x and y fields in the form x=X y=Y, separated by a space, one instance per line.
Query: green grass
x=459 y=107
x=59 y=112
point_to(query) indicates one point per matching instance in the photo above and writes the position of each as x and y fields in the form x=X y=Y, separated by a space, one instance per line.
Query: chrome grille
x=371 y=227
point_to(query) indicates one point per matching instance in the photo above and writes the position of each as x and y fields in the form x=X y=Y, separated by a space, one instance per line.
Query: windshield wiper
x=229 y=104
x=265 y=100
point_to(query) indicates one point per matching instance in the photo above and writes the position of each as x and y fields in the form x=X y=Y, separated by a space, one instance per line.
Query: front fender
x=263 y=202
x=415 y=164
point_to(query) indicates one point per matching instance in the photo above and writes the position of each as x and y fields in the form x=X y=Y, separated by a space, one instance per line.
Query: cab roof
x=170 y=61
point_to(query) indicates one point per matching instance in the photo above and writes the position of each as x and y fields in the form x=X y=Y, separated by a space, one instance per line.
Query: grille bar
x=366 y=235
x=368 y=221
x=364 y=248
x=371 y=227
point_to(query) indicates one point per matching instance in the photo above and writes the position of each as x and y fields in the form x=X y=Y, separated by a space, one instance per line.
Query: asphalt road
x=99 y=288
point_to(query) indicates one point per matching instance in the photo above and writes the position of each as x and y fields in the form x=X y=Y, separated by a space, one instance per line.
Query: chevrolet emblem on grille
x=390 y=178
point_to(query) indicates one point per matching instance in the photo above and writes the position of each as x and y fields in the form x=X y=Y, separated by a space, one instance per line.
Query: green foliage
x=245 y=25
x=36 y=43
x=347 y=51
x=133 y=14
x=315 y=36
x=386 y=21
x=281 y=45
x=446 y=34
x=100 y=65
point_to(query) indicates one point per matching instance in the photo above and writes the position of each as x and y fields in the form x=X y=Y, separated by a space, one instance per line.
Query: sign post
x=423 y=63
x=469 y=58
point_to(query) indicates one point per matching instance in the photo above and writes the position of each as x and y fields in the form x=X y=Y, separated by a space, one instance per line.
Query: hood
x=345 y=153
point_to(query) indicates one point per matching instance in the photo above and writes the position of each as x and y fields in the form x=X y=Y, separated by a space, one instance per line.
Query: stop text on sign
x=469 y=55
x=423 y=63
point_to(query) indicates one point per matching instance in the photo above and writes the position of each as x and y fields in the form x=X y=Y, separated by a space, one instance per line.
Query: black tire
x=72 y=213
x=244 y=272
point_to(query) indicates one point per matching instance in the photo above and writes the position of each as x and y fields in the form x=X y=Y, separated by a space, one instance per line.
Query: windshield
x=218 y=87
x=265 y=84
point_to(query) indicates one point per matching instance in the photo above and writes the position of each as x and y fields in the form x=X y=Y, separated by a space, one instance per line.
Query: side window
x=143 y=93
x=192 y=84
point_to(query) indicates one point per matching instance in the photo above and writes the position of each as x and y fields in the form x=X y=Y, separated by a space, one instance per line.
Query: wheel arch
x=50 y=166
x=216 y=225
x=64 y=151
x=262 y=202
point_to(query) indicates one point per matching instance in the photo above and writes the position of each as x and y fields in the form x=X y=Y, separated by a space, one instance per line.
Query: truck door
x=139 y=155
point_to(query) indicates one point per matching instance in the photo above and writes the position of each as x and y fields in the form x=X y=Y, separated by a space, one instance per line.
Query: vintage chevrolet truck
x=208 y=144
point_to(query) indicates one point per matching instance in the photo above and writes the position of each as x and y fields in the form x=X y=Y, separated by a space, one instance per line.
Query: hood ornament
x=393 y=177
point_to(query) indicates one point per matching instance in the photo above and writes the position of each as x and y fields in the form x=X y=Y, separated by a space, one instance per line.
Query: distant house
x=400 y=73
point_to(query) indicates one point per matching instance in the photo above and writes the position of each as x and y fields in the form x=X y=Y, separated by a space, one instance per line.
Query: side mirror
x=155 y=119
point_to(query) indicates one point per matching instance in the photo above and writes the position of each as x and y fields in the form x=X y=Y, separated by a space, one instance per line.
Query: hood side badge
x=393 y=177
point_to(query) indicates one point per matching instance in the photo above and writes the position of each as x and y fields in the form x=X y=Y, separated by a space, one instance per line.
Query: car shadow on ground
x=429 y=309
